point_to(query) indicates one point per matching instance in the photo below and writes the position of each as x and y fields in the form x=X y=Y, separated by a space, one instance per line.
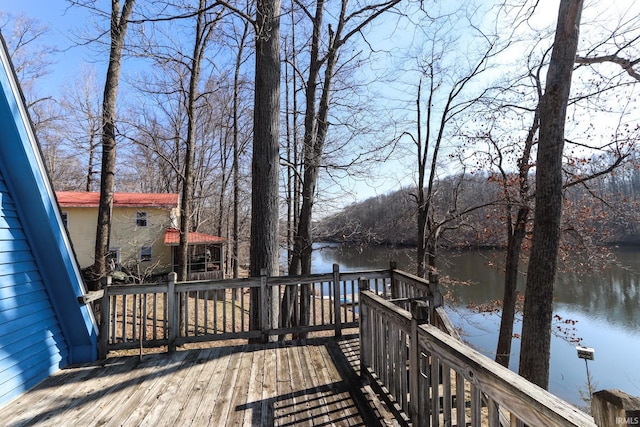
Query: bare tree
x=318 y=92
x=316 y=117
x=264 y=245
x=31 y=57
x=82 y=108
x=449 y=93
x=511 y=156
x=119 y=20
x=618 y=45
x=204 y=31
x=541 y=273
x=238 y=148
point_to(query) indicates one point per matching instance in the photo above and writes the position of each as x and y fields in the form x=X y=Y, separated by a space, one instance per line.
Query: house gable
x=138 y=224
x=42 y=325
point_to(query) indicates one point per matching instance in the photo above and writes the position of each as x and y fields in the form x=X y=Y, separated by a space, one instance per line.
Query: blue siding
x=32 y=345
x=42 y=325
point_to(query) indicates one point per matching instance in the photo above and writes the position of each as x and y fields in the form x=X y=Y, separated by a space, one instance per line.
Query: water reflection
x=604 y=304
x=612 y=295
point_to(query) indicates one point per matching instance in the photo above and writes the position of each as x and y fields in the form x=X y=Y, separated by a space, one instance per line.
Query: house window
x=65 y=219
x=145 y=253
x=141 y=219
x=113 y=259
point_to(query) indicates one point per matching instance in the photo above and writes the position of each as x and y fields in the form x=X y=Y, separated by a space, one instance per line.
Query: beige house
x=144 y=234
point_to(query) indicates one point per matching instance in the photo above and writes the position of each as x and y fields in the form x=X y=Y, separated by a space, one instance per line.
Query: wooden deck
x=281 y=384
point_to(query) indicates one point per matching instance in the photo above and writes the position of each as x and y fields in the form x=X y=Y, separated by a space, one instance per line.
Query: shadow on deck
x=314 y=382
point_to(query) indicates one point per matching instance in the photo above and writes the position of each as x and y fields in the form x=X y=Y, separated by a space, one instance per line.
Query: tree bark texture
x=235 y=252
x=516 y=232
x=541 y=273
x=301 y=259
x=103 y=230
x=202 y=35
x=265 y=160
x=510 y=297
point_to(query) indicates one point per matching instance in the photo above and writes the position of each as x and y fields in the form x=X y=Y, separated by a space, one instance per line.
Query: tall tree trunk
x=235 y=251
x=509 y=299
x=317 y=125
x=202 y=36
x=300 y=261
x=92 y=153
x=118 y=30
x=265 y=160
x=516 y=232
x=541 y=273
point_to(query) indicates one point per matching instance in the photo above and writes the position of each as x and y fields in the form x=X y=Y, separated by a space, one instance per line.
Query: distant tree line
x=603 y=212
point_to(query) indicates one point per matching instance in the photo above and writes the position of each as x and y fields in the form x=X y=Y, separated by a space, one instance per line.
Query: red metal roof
x=172 y=238
x=91 y=199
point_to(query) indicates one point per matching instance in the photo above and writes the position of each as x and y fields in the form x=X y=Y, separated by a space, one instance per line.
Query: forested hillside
x=602 y=211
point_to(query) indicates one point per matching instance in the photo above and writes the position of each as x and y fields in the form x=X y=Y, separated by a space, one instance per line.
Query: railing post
x=395 y=292
x=365 y=332
x=172 y=312
x=336 y=300
x=105 y=305
x=265 y=306
x=612 y=408
x=419 y=316
x=436 y=295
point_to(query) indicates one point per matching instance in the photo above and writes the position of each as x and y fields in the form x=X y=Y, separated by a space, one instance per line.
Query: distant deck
x=281 y=384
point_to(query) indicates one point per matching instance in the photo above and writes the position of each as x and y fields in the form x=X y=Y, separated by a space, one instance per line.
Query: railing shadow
x=328 y=399
x=343 y=402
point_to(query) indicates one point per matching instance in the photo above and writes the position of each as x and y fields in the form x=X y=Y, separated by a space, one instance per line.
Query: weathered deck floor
x=281 y=384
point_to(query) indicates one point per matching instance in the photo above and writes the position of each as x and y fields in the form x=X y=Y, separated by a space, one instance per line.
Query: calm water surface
x=605 y=306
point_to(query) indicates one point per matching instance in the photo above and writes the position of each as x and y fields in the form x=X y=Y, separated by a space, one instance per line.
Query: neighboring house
x=144 y=234
x=43 y=327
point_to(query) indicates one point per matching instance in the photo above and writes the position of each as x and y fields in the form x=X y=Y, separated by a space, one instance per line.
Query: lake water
x=604 y=305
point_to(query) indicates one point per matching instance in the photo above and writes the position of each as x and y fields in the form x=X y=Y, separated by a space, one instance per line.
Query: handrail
x=448 y=380
x=175 y=313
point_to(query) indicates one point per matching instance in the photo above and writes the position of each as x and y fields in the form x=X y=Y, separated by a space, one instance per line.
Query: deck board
x=281 y=384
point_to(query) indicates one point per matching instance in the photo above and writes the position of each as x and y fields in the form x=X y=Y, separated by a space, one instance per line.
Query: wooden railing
x=433 y=379
x=174 y=313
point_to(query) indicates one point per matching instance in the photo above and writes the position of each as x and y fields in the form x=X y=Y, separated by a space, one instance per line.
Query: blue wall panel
x=31 y=343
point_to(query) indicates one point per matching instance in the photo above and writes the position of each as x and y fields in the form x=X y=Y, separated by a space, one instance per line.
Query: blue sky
x=62 y=22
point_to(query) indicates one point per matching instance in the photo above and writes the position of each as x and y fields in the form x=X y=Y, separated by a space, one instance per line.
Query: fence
x=436 y=380
x=175 y=313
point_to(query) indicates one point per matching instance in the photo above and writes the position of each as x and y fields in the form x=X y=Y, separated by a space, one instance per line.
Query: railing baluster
x=206 y=312
x=476 y=407
x=215 y=312
x=144 y=315
x=435 y=390
x=424 y=400
x=124 y=318
x=242 y=307
x=392 y=349
x=224 y=310
x=233 y=310
x=196 y=314
x=492 y=414
x=184 y=298
x=446 y=394
x=460 y=400
x=318 y=291
x=134 y=318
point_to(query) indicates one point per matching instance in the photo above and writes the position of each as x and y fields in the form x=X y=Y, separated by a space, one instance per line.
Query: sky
x=63 y=22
